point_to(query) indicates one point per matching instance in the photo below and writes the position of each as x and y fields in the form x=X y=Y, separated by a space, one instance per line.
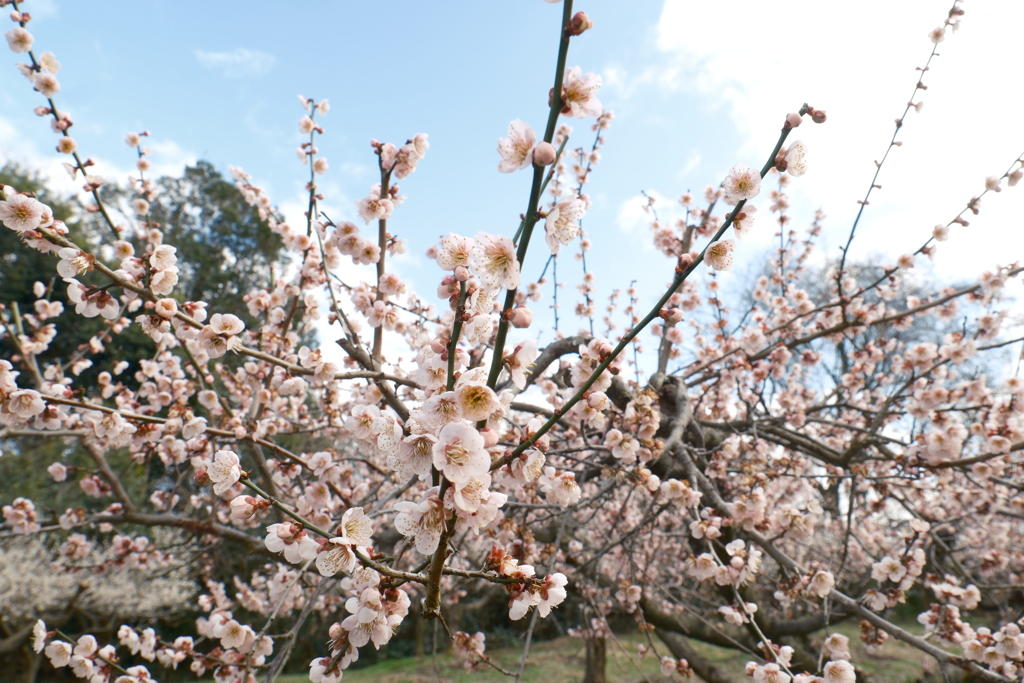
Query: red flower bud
x=672 y=315
x=578 y=24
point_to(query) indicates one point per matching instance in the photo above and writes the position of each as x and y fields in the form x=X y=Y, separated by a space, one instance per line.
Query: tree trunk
x=418 y=630
x=596 y=660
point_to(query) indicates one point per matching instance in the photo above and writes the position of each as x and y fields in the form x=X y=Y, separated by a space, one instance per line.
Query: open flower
x=477 y=401
x=38 y=636
x=516 y=150
x=562 y=489
x=796 y=159
x=459 y=453
x=292 y=540
x=19 y=40
x=741 y=183
x=356 y=528
x=225 y=471
x=552 y=593
x=422 y=521
x=21 y=213
x=520 y=361
x=26 y=403
x=839 y=672
x=562 y=224
x=372 y=207
x=719 y=254
x=338 y=557
x=743 y=222
x=578 y=94
x=494 y=259
x=455 y=251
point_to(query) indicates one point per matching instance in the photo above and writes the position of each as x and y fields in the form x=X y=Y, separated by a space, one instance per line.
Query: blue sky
x=696 y=87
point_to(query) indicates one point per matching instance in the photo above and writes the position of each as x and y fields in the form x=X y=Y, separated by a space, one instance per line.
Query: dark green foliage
x=224 y=248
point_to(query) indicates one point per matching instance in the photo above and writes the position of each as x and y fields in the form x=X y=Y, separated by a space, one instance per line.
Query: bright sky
x=696 y=87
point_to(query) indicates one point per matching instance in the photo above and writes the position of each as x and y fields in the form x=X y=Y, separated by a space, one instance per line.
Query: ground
x=561 y=661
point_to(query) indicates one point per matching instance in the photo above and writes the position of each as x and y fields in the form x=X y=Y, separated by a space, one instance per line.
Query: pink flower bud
x=818 y=116
x=439 y=345
x=685 y=261
x=202 y=478
x=461 y=273
x=578 y=24
x=544 y=154
x=793 y=120
x=672 y=315
x=445 y=289
x=243 y=507
x=520 y=317
x=490 y=437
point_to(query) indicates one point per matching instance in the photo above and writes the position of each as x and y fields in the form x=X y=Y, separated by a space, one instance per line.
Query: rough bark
x=597 y=657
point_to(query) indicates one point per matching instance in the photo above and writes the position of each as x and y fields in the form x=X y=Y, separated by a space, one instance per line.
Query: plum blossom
x=517 y=149
x=455 y=251
x=25 y=403
x=459 y=452
x=21 y=516
x=476 y=401
x=562 y=223
x=562 y=488
x=839 y=671
x=372 y=207
x=49 y=62
x=337 y=557
x=796 y=159
x=741 y=183
x=21 y=213
x=225 y=471
x=46 y=83
x=578 y=90
x=520 y=361
x=552 y=593
x=292 y=540
x=19 y=40
x=424 y=522
x=494 y=259
x=59 y=653
x=821 y=584
x=58 y=471
x=321 y=670
x=719 y=254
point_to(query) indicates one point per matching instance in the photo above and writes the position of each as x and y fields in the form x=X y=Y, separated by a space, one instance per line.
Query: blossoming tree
x=809 y=455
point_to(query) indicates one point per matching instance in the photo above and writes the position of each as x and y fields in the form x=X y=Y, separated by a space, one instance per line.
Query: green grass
x=562 y=661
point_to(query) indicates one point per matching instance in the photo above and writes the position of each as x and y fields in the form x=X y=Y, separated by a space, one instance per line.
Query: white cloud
x=693 y=160
x=237 y=63
x=858 y=64
x=167 y=158
x=635 y=219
